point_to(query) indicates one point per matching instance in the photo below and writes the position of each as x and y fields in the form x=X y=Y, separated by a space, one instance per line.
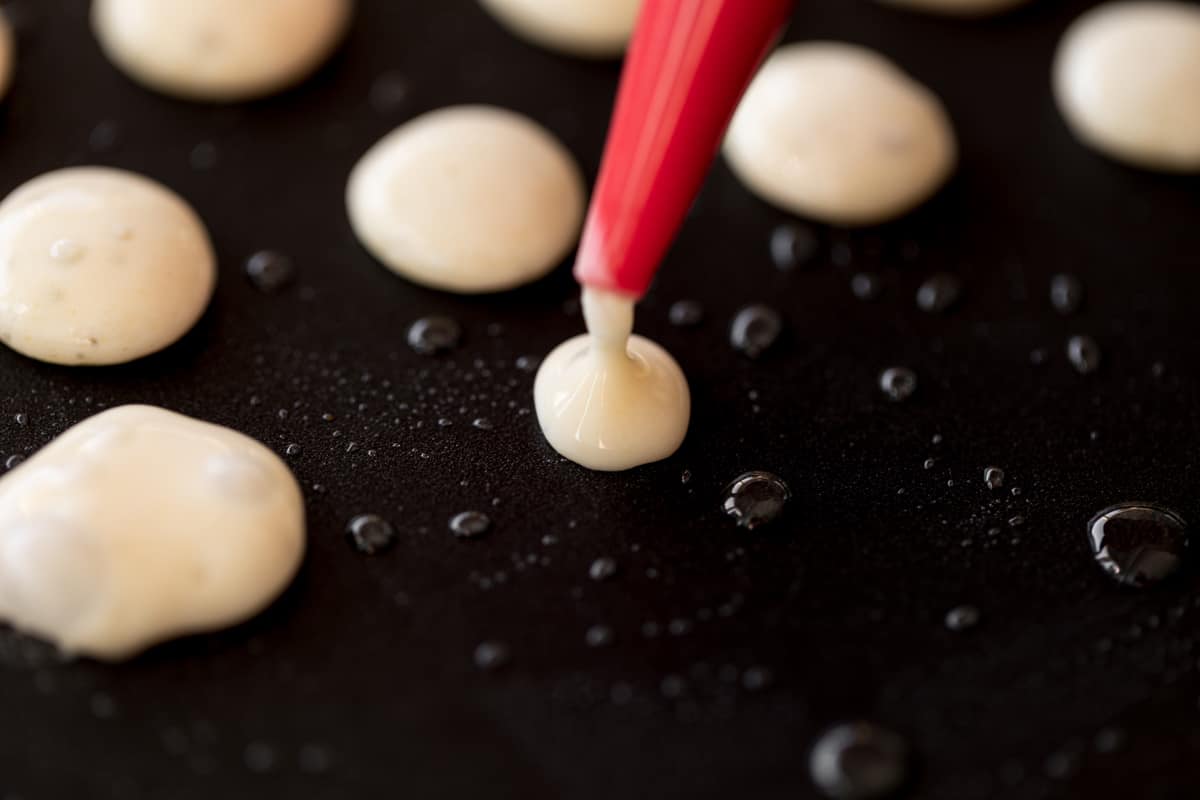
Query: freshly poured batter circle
x=838 y=133
x=220 y=50
x=99 y=266
x=1127 y=79
x=592 y=28
x=139 y=525
x=961 y=8
x=467 y=199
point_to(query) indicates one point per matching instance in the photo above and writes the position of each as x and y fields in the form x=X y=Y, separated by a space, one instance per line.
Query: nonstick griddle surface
x=360 y=681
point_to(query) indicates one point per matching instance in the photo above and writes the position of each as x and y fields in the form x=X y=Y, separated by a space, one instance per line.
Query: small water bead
x=961 y=618
x=602 y=568
x=14 y=460
x=793 y=245
x=898 y=383
x=1016 y=521
x=1138 y=544
x=993 y=477
x=1038 y=356
x=866 y=286
x=491 y=655
x=755 y=328
x=599 y=636
x=858 y=761
x=470 y=524
x=755 y=498
x=1066 y=293
x=929 y=463
x=937 y=294
x=432 y=335
x=269 y=270
x=21 y=419
x=755 y=679
x=388 y=92
x=1084 y=354
x=685 y=313
x=482 y=423
x=371 y=533
x=293 y=450
x=66 y=251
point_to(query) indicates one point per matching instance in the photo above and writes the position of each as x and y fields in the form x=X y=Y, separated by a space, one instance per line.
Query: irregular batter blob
x=100 y=266
x=839 y=133
x=8 y=53
x=139 y=525
x=961 y=8
x=611 y=401
x=467 y=199
x=219 y=50
x=1127 y=80
x=590 y=28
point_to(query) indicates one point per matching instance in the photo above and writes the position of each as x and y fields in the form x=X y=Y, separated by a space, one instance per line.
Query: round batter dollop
x=467 y=199
x=1127 y=80
x=838 y=133
x=8 y=53
x=961 y=8
x=99 y=266
x=590 y=28
x=608 y=400
x=139 y=525
x=219 y=50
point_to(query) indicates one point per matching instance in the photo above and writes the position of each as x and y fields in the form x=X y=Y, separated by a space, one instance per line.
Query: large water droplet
x=858 y=761
x=602 y=568
x=993 y=477
x=755 y=498
x=755 y=329
x=1084 y=354
x=270 y=271
x=432 y=335
x=866 y=286
x=371 y=533
x=470 y=524
x=939 y=293
x=1066 y=293
x=793 y=245
x=1138 y=544
x=961 y=618
x=898 y=383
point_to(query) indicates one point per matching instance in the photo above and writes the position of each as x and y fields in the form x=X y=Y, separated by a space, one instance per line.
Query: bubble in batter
x=838 y=133
x=1127 y=80
x=100 y=266
x=467 y=199
x=219 y=50
x=590 y=28
x=608 y=400
x=139 y=525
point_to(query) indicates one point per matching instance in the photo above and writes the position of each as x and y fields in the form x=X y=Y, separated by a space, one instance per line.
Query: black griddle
x=360 y=681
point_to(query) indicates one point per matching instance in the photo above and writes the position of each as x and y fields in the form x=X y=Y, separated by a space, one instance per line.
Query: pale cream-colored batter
x=589 y=28
x=219 y=50
x=8 y=54
x=839 y=133
x=1127 y=80
x=961 y=8
x=468 y=199
x=608 y=400
x=100 y=266
x=140 y=525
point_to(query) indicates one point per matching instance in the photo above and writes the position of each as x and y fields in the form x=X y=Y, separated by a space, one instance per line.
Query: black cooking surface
x=360 y=681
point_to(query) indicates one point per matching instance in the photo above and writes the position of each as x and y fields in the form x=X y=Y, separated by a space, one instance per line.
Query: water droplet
x=470 y=524
x=482 y=423
x=1038 y=356
x=755 y=329
x=527 y=363
x=66 y=251
x=685 y=313
x=269 y=270
x=491 y=655
x=685 y=477
x=204 y=156
x=13 y=460
x=599 y=636
x=1016 y=521
x=793 y=245
x=961 y=618
x=866 y=286
x=756 y=679
x=929 y=463
x=898 y=383
x=388 y=92
x=104 y=137
x=993 y=477
x=602 y=568
x=259 y=757
x=1066 y=293
x=371 y=533
x=937 y=294
x=1084 y=354
x=858 y=761
x=755 y=498
x=432 y=335
x=292 y=450
x=1138 y=544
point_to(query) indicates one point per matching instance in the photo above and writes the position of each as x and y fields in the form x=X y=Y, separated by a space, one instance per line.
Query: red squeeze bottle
x=688 y=64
